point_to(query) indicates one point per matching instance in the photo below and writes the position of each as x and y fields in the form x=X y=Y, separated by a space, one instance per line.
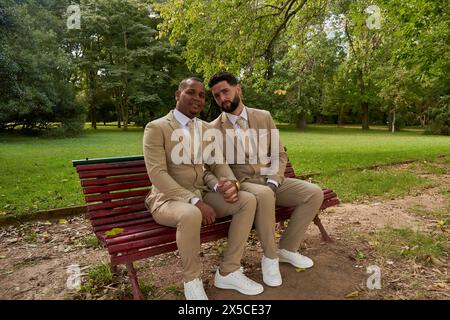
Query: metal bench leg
x=323 y=232
x=137 y=294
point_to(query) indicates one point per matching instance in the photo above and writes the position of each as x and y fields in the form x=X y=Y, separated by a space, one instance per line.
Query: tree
x=121 y=54
x=39 y=68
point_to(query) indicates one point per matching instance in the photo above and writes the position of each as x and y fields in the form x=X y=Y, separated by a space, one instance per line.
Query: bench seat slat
x=120 y=218
x=134 y=208
x=122 y=224
x=131 y=230
x=161 y=236
x=116 y=260
x=329 y=203
x=142 y=244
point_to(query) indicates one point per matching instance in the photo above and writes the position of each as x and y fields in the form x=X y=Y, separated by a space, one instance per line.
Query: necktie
x=242 y=123
x=194 y=140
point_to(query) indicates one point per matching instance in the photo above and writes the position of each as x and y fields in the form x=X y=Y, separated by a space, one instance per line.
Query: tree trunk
x=393 y=122
x=301 y=121
x=365 y=115
x=119 y=117
x=364 y=104
x=93 y=117
x=125 y=115
x=340 y=121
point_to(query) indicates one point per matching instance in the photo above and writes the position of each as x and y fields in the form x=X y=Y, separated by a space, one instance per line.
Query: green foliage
x=91 y=241
x=324 y=56
x=38 y=69
x=125 y=68
x=98 y=276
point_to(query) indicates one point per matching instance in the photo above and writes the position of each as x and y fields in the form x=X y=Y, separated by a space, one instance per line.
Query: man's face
x=227 y=96
x=191 y=98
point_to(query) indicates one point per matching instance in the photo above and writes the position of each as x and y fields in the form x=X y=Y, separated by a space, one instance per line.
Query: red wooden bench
x=115 y=189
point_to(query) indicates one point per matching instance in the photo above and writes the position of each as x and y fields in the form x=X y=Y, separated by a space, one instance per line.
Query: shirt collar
x=181 y=118
x=233 y=118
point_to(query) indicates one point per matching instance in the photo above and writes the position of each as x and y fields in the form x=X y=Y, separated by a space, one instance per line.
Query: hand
x=208 y=213
x=228 y=189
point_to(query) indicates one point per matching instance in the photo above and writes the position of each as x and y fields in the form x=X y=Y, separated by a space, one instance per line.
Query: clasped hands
x=230 y=195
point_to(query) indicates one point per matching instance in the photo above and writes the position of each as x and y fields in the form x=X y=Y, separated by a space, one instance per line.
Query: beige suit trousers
x=187 y=218
x=304 y=196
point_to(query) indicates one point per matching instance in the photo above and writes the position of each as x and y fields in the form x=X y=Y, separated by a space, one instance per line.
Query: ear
x=177 y=95
x=238 y=89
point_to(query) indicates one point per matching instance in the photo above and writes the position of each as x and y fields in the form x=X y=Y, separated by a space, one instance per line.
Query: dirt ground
x=34 y=258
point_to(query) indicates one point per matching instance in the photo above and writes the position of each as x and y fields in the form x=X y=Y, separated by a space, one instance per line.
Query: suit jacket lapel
x=176 y=126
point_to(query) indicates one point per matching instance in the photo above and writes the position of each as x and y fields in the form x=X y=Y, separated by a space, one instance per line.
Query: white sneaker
x=295 y=258
x=271 y=271
x=193 y=290
x=238 y=281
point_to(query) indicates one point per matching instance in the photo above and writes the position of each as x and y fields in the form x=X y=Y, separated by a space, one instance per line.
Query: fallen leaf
x=441 y=285
x=62 y=221
x=300 y=269
x=436 y=262
x=2 y=257
x=353 y=294
x=114 y=231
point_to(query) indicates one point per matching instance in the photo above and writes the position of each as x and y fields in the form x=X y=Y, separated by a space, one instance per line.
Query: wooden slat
x=116 y=260
x=144 y=243
x=118 y=186
x=115 y=204
x=111 y=172
x=131 y=230
x=96 y=215
x=122 y=224
x=106 y=181
x=329 y=203
x=119 y=218
x=159 y=236
x=116 y=195
x=119 y=239
x=112 y=165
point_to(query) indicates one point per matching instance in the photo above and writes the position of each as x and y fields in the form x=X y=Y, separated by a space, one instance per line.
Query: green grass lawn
x=36 y=173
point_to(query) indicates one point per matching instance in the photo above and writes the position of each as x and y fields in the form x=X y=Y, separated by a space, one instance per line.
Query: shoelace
x=271 y=266
x=243 y=278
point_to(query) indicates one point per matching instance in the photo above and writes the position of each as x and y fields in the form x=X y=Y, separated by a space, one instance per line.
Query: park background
x=360 y=91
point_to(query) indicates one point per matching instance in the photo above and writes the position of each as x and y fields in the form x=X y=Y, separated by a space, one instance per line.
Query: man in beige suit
x=181 y=198
x=270 y=188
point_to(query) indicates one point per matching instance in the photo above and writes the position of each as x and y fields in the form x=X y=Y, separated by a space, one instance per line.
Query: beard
x=233 y=105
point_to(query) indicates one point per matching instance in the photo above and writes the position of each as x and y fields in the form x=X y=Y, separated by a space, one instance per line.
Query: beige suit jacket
x=257 y=119
x=171 y=181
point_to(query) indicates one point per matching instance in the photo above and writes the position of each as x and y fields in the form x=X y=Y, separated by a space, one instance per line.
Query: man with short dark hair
x=181 y=198
x=270 y=189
